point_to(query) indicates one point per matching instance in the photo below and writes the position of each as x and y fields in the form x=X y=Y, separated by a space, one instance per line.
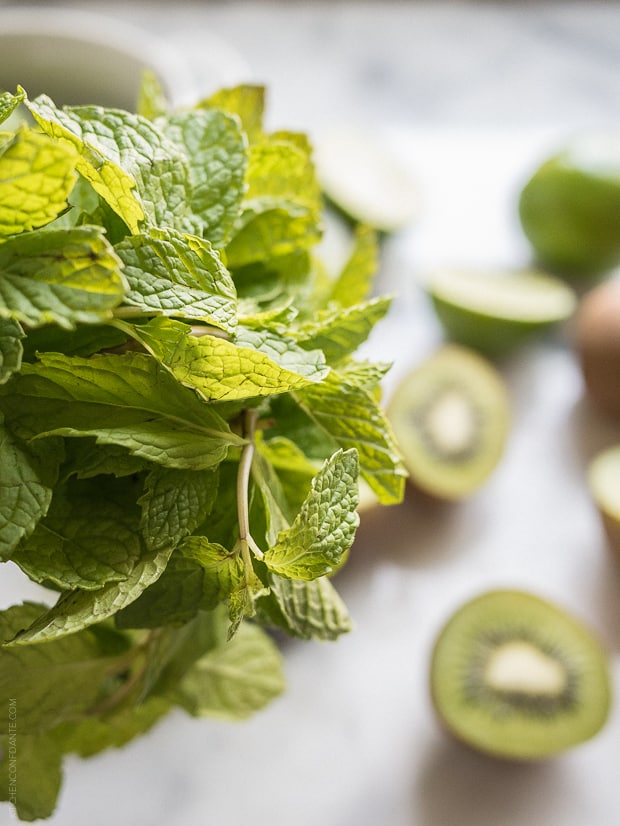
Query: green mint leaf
x=129 y=162
x=173 y=599
x=242 y=601
x=85 y=540
x=78 y=609
x=257 y=363
x=152 y=102
x=352 y=417
x=36 y=176
x=306 y=609
x=178 y=275
x=83 y=341
x=127 y=400
x=84 y=459
x=223 y=569
x=217 y=156
x=33 y=782
x=11 y=348
x=9 y=103
x=247 y=101
x=235 y=679
x=338 y=333
x=51 y=683
x=174 y=503
x=324 y=528
x=28 y=474
x=294 y=469
x=354 y=283
x=62 y=277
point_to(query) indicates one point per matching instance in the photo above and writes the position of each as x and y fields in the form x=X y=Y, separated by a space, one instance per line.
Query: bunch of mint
x=183 y=422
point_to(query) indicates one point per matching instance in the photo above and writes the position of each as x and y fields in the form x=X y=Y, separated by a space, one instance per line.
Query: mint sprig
x=183 y=422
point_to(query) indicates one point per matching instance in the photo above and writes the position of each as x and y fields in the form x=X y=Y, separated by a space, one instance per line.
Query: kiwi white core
x=521 y=667
x=450 y=423
x=524 y=295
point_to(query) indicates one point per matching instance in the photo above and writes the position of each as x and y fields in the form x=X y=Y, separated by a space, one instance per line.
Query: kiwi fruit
x=451 y=417
x=570 y=207
x=596 y=337
x=496 y=311
x=364 y=180
x=517 y=677
x=604 y=485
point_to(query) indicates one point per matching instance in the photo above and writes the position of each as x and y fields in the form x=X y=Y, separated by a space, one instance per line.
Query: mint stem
x=250 y=417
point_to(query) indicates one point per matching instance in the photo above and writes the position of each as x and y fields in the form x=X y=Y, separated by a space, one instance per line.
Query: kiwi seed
x=517 y=677
x=450 y=416
x=494 y=311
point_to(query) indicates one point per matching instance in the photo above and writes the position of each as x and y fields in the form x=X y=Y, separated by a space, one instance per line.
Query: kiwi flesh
x=450 y=416
x=497 y=311
x=517 y=677
x=604 y=484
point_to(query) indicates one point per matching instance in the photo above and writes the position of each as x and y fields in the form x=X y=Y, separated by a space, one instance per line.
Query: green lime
x=570 y=208
x=495 y=312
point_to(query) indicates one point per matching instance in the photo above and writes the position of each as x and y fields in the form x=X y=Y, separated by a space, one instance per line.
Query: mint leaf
x=325 y=526
x=152 y=102
x=174 y=503
x=223 y=569
x=257 y=363
x=354 y=282
x=351 y=416
x=216 y=150
x=78 y=609
x=33 y=783
x=36 y=176
x=247 y=101
x=235 y=679
x=179 y=275
x=9 y=103
x=85 y=540
x=306 y=609
x=27 y=478
x=339 y=333
x=62 y=277
x=11 y=348
x=127 y=400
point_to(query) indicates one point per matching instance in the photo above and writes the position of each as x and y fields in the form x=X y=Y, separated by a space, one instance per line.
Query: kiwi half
x=514 y=676
x=451 y=416
x=494 y=311
x=604 y=485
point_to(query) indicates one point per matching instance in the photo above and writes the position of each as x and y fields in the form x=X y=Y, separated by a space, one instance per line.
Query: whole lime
x=570 y=208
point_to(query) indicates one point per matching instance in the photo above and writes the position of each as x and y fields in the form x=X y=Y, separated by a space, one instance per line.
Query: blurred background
x=469 y=97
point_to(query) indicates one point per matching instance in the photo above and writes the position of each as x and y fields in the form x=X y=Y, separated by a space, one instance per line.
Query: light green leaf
x=11 y=348
x=9 y=103
x=338 y=333
x=354 y=282
x=30 y=774
x=178 y=275
x=236 y=679
x=174 y=503
x=36 y=176
x=282 y=170
x=62 y=277
x=325 y=526
x=50 y=683
x=78 y=609
x=27 y=478
x=309 y=610
x=216 y=150
x=152 y=102
x=269 y=229
x=128 y=161
x=223 y=568
x=85 y=540
x=128 y=400
x=257 y=363
x=247 y=101
x=294 y=469
x=352 y=417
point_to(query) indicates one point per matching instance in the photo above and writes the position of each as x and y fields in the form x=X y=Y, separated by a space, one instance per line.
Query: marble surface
x=469 y=96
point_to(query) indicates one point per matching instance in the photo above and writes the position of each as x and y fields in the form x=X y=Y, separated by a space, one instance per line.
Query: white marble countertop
x=471 y=96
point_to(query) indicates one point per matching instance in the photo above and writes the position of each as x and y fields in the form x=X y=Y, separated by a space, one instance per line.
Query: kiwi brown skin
x=596 y=337
x=523 y=716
